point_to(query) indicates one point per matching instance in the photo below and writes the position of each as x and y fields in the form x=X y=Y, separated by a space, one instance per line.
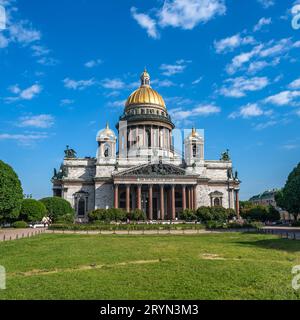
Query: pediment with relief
x=158 y=169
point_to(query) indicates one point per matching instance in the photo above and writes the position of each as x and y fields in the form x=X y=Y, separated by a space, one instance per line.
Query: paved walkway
x=285 y=232
x=14 y=234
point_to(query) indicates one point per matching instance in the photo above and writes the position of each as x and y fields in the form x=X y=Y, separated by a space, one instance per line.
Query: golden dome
x=107 y=133
x=145 y=94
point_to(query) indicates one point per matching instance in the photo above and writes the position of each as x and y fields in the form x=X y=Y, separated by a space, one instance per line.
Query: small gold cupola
x=145 y=79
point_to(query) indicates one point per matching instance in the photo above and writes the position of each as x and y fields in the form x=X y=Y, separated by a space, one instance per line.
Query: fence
x=10 y=235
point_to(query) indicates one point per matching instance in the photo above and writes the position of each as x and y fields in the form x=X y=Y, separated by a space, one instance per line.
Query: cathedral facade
x=141 y=169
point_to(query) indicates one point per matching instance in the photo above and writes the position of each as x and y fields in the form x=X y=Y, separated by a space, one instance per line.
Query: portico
x=159 y=200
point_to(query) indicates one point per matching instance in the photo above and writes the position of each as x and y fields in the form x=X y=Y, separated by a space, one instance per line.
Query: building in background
x=267 y=198
x=141 y=168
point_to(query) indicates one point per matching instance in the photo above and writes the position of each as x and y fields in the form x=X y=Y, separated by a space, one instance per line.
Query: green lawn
x=215 y=266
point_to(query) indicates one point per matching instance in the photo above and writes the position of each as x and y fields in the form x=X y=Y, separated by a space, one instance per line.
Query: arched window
x=107 y=150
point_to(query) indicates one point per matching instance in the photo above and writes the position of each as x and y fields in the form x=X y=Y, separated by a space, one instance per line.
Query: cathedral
x=140 y=168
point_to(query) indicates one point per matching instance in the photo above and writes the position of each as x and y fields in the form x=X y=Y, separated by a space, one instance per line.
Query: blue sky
x=229 y=67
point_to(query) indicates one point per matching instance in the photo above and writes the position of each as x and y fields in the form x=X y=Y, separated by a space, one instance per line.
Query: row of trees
x=13 y=207
x=289 y=197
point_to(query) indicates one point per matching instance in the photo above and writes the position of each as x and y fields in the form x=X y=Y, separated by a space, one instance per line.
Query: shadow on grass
x=275 y=244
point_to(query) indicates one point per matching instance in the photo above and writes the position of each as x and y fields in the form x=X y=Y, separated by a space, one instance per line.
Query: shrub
x=204 y=214
x=11 y=193
x=57 y=207
x=97 y=215
x=32 y=210
x=107 y=215
x=116 y=214
x=67 y=218
x=137 y=215
x=188 y=215
x=20 y=225
x=219 y=214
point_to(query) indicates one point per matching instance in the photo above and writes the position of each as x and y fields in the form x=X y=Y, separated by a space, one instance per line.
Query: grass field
x=214 y=266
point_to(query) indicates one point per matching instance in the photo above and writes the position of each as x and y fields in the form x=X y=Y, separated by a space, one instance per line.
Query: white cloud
x=23 y=33
x=25 y=94
x=270 y=50
x=78 y=85
x=180 y=114
x=117 y=103
x=66 y=102
x=238 y=87
x=43 y=121
x=261 y=23
x=30 y=92
x=205 y=110
x=256 y=66
x=284 y=98
x=172 y=69
x=47 y=61
x=187 y=14
x=163 y=83
x=184 y=14
x=3 y=41
x=229 y=44
x=248 y=111
x=114 y=84
x=146 y=22
x=93 y=63
x=197 y=81
x=265 y=125
x=241 y=59
x=266 y=3
x=39 y=50
x=27 y=139
x=295 y=84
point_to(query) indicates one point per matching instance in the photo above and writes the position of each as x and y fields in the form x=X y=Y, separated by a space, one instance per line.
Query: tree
x=289 y=197
x=137 y=215
x=204 y=214
x=188 y=215
x=11 y=193
x=97 y=215
x=261 y=213
x=32 y=210
x=57 y=207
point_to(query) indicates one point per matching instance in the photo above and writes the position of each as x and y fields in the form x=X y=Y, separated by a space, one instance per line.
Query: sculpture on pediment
x=225 y=156
x=62 y=173
x=229 y=173
x=158 y=169
x=70 y=153
x=236 y=175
